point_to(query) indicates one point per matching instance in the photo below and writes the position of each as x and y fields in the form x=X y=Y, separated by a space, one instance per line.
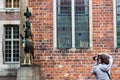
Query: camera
x=96 y=58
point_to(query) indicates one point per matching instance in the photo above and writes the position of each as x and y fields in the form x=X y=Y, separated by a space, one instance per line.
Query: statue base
x=27 y=72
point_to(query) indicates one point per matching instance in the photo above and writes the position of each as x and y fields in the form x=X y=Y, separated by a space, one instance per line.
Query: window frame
x=12 y=40
x=115 y=22
x=12 y=7
x=73 y=25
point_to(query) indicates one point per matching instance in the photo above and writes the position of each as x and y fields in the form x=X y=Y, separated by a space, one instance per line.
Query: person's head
x=104 y=59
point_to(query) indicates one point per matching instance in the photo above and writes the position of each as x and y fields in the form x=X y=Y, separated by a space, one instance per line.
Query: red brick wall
x=103 y=25
x=9 y=15
x=72 y=65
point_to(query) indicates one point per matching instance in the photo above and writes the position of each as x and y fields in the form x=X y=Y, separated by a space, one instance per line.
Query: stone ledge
x=7 y=77
x=29 y=72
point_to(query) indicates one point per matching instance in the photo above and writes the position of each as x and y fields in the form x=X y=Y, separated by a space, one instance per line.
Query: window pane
x=81 y=6
x=81 y=24
x=16 y=3
x=8 y=32
x=8 y=51
x=118 y=22
x=16 y=32
x=64 y=7
x=8 y=3
x=64 y=26
x=15 y=50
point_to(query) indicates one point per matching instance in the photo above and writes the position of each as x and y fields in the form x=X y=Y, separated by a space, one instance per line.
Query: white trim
x=11 y=22
x=54 y=25
x=12 y=3
x=73 y=23
x=10 y=39
x=114 y=23
x=12 y=45
x=90 y=23
x=9 y=9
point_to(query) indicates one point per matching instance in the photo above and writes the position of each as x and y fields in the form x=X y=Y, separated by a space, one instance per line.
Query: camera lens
x=94 y=58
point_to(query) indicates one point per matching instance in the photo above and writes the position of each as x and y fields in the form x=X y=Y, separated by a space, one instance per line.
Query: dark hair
x=104 y=59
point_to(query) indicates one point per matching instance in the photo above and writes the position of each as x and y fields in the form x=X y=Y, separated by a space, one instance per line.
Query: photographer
x=102 y=67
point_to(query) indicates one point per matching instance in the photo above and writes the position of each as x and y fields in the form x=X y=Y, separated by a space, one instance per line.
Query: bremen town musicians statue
x=27 y=40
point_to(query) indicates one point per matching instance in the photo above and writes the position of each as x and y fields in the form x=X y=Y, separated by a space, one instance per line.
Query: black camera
x=96 y=58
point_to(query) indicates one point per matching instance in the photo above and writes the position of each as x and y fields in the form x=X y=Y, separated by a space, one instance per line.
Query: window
x=72 y=24
x=11 y=44
x=118 y=21
x=12 y=4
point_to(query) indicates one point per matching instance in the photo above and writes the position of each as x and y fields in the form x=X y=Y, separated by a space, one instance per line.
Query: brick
x=68 y=64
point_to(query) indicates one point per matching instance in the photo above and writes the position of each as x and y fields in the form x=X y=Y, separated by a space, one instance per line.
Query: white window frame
x=12 y=5
x=114 y=23
x=12 y=39
x=73 y=24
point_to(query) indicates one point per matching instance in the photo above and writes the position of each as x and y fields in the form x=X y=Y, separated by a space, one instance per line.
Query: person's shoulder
x=102 y=64
x=96 y=66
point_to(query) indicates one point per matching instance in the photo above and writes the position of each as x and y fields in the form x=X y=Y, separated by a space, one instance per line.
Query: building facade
x=66 y=34
x=9 y=37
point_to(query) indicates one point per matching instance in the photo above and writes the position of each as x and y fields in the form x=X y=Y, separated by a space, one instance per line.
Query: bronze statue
x=27 y=40
x=27 y=13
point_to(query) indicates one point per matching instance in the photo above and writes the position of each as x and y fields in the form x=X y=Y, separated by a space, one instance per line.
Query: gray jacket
x=100 y=69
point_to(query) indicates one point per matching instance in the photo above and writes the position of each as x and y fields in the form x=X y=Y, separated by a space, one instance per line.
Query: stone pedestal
x=28 y=73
